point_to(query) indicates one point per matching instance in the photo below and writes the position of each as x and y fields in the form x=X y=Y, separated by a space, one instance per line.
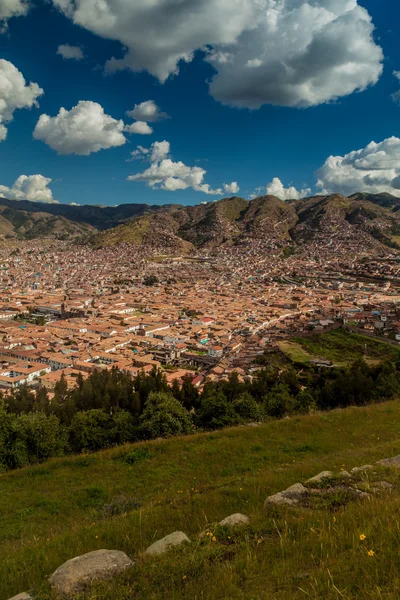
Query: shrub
x=247 y=408
x=164 y=416
x=215 y=411
x=134 y=456
x=91 y=430
x=279 y=402
x=29 y=438
x=124 y=427
x=304 y=403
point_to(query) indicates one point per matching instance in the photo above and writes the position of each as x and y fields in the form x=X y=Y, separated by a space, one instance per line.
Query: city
x=71 y=309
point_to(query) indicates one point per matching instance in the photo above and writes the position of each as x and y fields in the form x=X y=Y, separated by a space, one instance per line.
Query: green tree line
x=111 y=407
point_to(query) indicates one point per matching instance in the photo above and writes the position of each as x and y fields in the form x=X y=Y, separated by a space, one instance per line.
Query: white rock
x=75 y=574
x=291 y=496
x=394 y=461
x=235 y=520
x=381 y=485
x=320 y=477
x=23 y=596
x=362 y=469
x=344 y=475
x=173 y=539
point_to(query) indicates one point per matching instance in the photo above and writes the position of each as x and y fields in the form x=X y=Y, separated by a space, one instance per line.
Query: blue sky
x=247 y=145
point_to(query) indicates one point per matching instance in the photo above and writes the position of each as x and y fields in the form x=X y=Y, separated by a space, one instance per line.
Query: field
x=341 y=347
x=128 y=497
x=295 y=352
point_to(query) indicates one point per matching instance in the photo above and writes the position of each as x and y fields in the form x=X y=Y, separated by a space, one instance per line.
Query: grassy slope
x=341 y=347
x=53 y=512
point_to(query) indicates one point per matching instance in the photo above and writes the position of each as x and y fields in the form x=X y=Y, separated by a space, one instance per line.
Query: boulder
x=390 y=462
x=344 y=475
x=75 y=574
x=173 y=539
x=23 y=596
x=291 y=496
x=362 y=495
x=235 y=520
x=362 y=469
x=381 y=485
x=320 y=477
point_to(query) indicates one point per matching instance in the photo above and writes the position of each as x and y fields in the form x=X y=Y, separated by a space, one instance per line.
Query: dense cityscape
x=71 y=309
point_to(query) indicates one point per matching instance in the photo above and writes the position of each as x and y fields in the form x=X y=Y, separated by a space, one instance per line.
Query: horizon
x=169 y=204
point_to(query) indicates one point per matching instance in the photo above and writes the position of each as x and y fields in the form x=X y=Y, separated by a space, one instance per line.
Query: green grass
x=294 y=351
x=343 y=347
x=128 y=497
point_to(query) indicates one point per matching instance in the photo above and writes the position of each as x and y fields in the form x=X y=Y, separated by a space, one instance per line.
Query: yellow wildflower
x=214 y=539
x=184 y=577
x=362 y=537
x=371 y=553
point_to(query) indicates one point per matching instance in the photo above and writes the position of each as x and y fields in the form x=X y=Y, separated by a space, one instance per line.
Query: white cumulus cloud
x=165 y=174
x=70 y=52
x=12 y=8
x=147 y=111
x=300 y=53
x=276 y=188
x=29 y=187
x=144 y=113
x=231 y=188
x=139 y=127
x=82 y=130
x=375 y=169
x=15 y=93
x=396 y=95
x=285 y=52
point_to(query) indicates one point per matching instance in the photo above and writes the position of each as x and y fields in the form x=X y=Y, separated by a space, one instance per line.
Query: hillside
x=370 y=222
x=128 y=497
x=356 y=223
x=99 y=217
x=384 y=199
x=24 y=224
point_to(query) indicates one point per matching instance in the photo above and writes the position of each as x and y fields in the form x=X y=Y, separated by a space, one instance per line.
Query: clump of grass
x=134 y=456
x=120 y=505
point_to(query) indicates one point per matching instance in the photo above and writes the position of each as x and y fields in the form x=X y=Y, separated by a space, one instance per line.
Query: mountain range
x=371 y=219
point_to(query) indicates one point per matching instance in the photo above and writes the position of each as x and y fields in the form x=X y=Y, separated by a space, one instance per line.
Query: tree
x=247 y=408
x=22 y=400
x=39 y=437
x=215 y=411
x=91 y=430
x=189 y=394
x=150 y=280
x=164 y=416
x=278 y=402
x=304 y=402
x=144 y=384
x=124 y=427
x=8 y=450
x=61 y=389
x=232 y=387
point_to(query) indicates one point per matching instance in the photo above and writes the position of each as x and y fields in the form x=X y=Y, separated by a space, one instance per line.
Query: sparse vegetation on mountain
x=364 y=218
